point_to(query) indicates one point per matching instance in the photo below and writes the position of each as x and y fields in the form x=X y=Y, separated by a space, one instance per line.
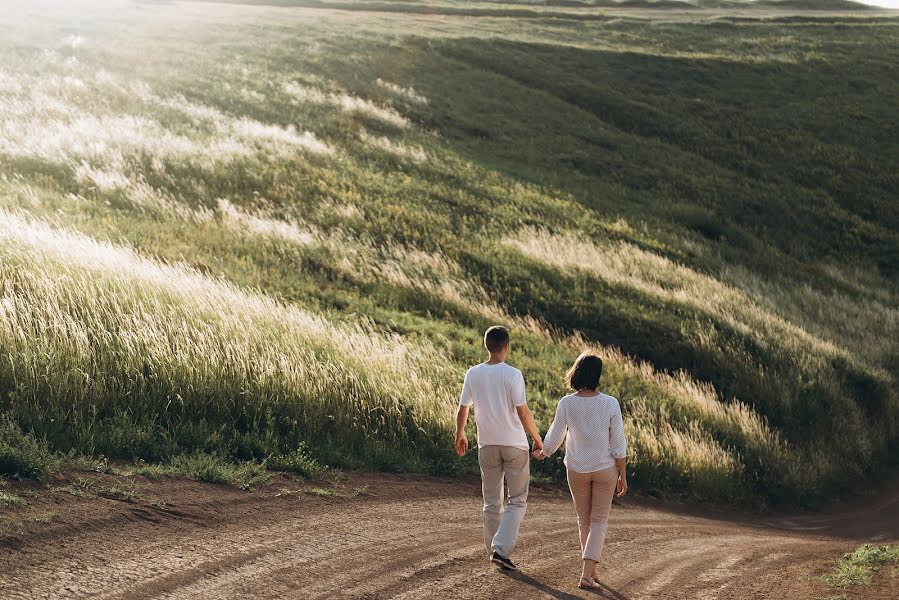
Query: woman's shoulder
x=612 y=400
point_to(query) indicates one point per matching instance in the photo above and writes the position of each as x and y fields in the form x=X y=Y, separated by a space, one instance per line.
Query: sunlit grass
x=859 y=566
x=160 y=342
x=310 y=229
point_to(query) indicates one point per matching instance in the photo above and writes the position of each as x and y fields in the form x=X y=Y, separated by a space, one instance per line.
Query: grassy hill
x=248 y=230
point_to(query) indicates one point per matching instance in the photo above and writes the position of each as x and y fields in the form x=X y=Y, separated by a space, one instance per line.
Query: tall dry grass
x=95 y=332
x=799 y=337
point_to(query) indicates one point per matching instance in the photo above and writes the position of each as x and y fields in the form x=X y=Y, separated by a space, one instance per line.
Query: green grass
x=45 y=518
x=209 y=468
x=337 y=492
x=858 y=567
x=23 y=454
x=10 y=527
x=8 y=500
x=298 y=462
x=283 y=251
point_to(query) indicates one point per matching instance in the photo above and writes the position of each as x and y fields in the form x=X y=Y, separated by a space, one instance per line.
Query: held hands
x=461 y=444
x=537 y=453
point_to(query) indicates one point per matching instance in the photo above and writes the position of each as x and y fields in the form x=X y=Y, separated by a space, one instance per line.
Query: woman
x=594 y=456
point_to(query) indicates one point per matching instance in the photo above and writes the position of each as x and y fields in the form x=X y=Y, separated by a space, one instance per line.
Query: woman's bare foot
x=586 y=583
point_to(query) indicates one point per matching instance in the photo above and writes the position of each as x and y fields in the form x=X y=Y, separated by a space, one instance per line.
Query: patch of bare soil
x=383 y=536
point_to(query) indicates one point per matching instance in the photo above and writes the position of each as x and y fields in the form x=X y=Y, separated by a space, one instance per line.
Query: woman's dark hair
x=584 y=374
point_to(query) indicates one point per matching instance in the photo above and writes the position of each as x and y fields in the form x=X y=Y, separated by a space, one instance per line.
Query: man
x=496 y=390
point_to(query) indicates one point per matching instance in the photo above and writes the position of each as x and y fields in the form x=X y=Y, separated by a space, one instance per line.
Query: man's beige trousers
x=501 y=523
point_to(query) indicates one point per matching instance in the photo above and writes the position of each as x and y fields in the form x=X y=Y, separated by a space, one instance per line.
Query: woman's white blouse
x=595 y=432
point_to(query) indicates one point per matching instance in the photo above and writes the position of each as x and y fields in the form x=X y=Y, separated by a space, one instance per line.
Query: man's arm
x=461 y=438
x=524 y=413
x=527 y=420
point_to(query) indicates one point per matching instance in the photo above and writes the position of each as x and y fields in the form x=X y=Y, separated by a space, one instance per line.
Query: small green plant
x=210 y=468
x=81 y=487
x=856 y=568
x=345 y=494
x=323 y=492
x=162 y=507
x=11 y=500
x=21 y=453
x=299 y=462
x=101 y=465
x=45 y=518
x=11 y=527
x=121 y=493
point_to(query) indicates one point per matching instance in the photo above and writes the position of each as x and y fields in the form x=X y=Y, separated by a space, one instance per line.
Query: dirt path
x=402 y=537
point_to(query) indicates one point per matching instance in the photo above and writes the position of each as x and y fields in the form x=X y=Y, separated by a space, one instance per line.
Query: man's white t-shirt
x=495 y=391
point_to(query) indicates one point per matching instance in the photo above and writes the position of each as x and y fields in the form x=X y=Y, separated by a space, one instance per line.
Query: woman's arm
x=618 y=446
x=621 y=488
x=556 y=434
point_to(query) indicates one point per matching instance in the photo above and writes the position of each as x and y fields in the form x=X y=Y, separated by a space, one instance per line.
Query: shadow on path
x=604 y=592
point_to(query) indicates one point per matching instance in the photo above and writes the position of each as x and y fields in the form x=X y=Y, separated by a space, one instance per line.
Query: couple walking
x=594 y=453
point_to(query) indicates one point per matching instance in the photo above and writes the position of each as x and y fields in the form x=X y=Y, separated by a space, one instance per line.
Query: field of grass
x=244 y=229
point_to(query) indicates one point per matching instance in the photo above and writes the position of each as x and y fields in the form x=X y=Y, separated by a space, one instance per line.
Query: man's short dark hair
x=495 y=338
x=584 y=374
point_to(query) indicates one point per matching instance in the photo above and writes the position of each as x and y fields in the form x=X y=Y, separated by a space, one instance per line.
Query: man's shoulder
x=511 y=375
x=511 y=369
x=498 y=367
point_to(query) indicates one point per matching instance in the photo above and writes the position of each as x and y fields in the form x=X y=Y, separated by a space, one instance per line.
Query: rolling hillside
x=277 y=232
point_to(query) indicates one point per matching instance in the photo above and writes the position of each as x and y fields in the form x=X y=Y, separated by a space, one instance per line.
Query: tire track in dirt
x=415 y=537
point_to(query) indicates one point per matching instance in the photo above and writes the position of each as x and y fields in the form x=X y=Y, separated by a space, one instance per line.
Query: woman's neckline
x=594 y=395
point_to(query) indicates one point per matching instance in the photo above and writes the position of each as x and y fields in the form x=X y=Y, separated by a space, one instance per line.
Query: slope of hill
x=313 y=219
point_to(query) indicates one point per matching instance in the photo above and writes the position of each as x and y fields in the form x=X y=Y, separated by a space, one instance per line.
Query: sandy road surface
x=407 y=537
